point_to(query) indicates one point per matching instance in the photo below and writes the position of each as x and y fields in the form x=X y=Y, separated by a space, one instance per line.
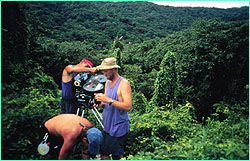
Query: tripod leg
x=98 y=113
x=82 y=113
x=77 y=111
x=97 y=118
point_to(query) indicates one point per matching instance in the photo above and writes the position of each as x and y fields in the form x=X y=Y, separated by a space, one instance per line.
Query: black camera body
x=86 y=85
x=81 y=78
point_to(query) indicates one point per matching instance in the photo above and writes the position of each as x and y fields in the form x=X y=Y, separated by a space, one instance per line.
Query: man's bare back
x=70 y=128
x=66 y=124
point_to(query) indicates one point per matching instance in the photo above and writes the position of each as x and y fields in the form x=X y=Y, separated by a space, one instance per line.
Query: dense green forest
x=188 y=68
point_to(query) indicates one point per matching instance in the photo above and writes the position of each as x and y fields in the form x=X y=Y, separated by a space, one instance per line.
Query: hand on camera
x=100 y=97
x=93 y=70
x=95 y=102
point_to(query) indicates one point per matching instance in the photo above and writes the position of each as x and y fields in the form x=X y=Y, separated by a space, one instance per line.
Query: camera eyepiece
x=77 y=83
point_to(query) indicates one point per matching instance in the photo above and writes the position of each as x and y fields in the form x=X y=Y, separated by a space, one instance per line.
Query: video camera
x=86 y=85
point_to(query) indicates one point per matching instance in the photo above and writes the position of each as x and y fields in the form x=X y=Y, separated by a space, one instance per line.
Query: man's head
x=109 y=67
x=94 y=137
x=87 y=62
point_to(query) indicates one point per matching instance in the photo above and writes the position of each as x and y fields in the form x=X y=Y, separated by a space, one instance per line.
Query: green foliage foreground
x=175 y=135
x=201 y=71
x=22 y=113
x=156 y=132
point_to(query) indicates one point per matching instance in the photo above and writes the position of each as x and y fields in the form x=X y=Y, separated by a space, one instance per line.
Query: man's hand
x=102 y=97
x=99 y=97
x=93 y=70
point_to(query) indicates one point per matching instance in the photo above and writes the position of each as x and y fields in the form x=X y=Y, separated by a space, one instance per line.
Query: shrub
x=22 y=113
x=175 y=135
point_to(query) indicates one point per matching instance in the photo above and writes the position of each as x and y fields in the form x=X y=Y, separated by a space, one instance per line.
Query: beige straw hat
x=108 y=63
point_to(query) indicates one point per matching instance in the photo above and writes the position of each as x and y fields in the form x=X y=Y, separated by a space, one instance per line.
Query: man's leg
x=120 y=143
x=105 y=149
x=113 y=145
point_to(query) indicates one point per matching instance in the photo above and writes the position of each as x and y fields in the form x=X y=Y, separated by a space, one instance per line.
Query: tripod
x=85 y=102
x=86 y=105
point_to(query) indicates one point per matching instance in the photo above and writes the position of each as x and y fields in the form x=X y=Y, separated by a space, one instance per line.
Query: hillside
x=188 y=69
x=151 y=20
x=98 y=23
x=67 y=29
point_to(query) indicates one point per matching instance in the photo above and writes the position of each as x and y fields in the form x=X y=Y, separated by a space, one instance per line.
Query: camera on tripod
x=86 y=85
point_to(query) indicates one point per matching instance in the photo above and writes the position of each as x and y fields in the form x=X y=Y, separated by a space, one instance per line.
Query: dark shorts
x=113 y=145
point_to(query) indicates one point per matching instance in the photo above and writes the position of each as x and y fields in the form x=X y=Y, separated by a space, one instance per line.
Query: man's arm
x=66 y=149
x=124 y=97
x=68 y=71
x=78 y=69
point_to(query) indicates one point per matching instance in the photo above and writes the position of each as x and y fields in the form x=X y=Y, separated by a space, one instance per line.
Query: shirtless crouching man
x=65 y=131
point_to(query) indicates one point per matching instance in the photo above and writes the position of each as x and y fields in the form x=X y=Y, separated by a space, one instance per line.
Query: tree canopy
x=188 y=69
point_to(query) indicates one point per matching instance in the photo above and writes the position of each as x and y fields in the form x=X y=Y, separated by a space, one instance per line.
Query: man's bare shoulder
x=124 y=86
x=125 y=82
x=69 y=68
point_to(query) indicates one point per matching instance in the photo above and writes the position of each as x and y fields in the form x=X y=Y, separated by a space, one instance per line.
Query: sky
x=217 y=4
